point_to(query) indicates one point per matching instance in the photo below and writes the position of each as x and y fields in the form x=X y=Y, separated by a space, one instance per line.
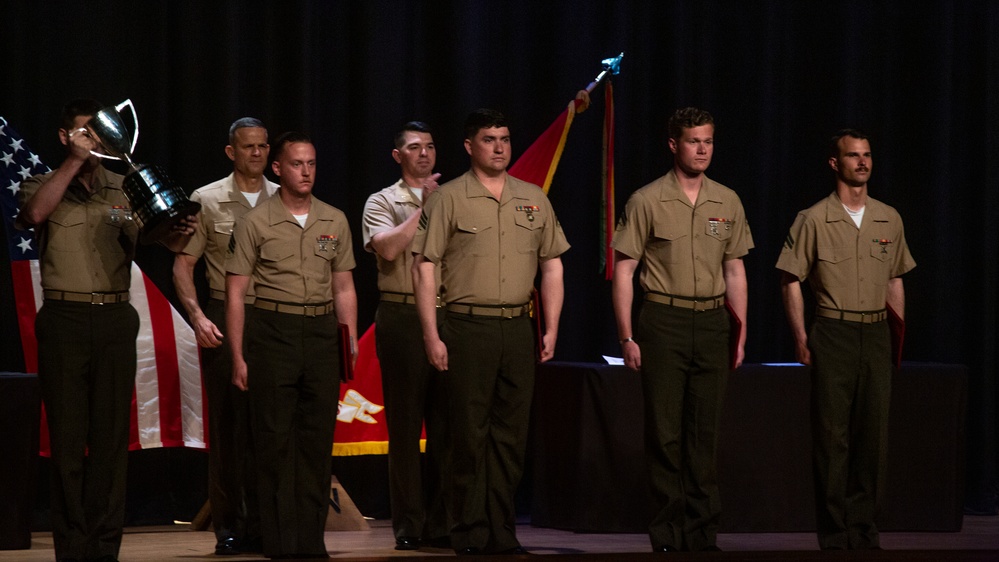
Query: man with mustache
x=852 y=250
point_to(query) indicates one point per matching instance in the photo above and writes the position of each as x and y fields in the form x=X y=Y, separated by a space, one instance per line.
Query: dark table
x=20 y=407
x=588 y=460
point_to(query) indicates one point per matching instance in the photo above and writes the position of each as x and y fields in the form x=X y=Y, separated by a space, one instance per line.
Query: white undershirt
x=252 y=197
x=418 y=191
x=301 y=219
x=857 y=216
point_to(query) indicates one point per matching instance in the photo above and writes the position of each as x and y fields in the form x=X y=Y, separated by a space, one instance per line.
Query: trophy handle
x=135 y=119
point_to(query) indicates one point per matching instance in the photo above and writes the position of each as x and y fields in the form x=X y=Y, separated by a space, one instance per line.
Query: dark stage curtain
x=779 y=78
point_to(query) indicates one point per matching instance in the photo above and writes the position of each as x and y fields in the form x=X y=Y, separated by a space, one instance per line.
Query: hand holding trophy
x=157 y=202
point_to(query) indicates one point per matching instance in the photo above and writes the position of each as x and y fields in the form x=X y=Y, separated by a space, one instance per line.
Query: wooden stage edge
x=977 y=541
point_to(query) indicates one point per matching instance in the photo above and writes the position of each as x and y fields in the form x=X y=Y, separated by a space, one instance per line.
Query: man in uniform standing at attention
x=231 y=489
x=852 y=250
x=297 y=252
x=488 y=232
x=389 y=225
x=86 y=331
x=691 y=233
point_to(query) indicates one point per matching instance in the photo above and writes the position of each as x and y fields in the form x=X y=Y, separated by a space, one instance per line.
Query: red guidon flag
x=168 y=406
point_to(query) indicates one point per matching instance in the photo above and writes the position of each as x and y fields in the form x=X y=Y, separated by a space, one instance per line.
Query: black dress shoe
x=227 y=547
x=468 y=551
x=515 y=551
x=710 y=548
x=665 y=548
x=407 y=543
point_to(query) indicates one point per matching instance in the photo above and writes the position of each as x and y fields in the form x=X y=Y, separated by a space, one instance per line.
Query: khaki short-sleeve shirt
x=383 y=211
x=488 y=250
x=847 y=267
x=222 y=204
x=87 y=243
x=682 y=246
x=288 y=263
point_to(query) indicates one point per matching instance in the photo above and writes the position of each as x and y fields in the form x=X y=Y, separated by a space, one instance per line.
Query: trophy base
x=157 y=203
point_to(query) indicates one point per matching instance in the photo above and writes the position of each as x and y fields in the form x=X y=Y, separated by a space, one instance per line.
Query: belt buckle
x=506 y=312
x=699 y=305
x=309 y=313
x=96 y=298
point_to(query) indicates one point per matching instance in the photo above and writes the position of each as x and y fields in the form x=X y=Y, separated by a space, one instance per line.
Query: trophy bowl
x=157 y=202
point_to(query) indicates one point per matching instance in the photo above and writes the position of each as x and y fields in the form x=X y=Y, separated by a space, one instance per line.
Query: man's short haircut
x=687 y=118
x=78 y=107
x=483 y=119
x=243 y=123
x=834 y=141
x=412 y=126
x=285 y=139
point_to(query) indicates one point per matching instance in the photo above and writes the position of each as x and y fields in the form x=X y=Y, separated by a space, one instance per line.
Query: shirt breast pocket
x=529 y=229
x=667 y=243
x=473 y=238
x=720 y=230
x=882 y=250
x=222 y=232
x=72 y=224
x=275 y=252
x=836 y=264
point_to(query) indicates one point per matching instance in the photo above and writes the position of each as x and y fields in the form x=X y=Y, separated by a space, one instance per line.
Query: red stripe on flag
x=24 y=301
x=167 y=366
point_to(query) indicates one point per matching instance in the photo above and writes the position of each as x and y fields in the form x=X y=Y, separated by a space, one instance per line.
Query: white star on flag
x=25 y=172
x=16 y=144
x=8 y=158
x=14 y=187
x=25 y=246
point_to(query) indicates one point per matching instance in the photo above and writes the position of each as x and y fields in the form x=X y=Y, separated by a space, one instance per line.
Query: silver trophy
x=157 y=202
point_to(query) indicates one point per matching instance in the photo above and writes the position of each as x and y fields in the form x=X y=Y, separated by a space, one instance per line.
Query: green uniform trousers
x=294 y=376
x=488 y=389
x=409 y=388
x=231 y=467
x=86 y=369
x=685 y=366
x=851 y=391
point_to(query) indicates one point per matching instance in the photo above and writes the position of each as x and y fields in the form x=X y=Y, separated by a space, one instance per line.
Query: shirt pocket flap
x=834 y=255
x=469 y=225
x=224 y=227
x=667 y=232
x=277 y=252
x=69 y=215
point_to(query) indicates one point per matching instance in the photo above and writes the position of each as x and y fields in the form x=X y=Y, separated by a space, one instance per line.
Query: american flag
x=168 y=406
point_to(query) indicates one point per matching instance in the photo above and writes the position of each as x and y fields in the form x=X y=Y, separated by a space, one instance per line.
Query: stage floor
x=978 y=541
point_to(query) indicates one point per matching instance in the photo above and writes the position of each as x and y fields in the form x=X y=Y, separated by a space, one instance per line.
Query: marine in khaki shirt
x=488 y=233
x=299 y=254
x=852 y=250
x=689 y=233
x=231 y=488
x=413 y=400
x=86 y=330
